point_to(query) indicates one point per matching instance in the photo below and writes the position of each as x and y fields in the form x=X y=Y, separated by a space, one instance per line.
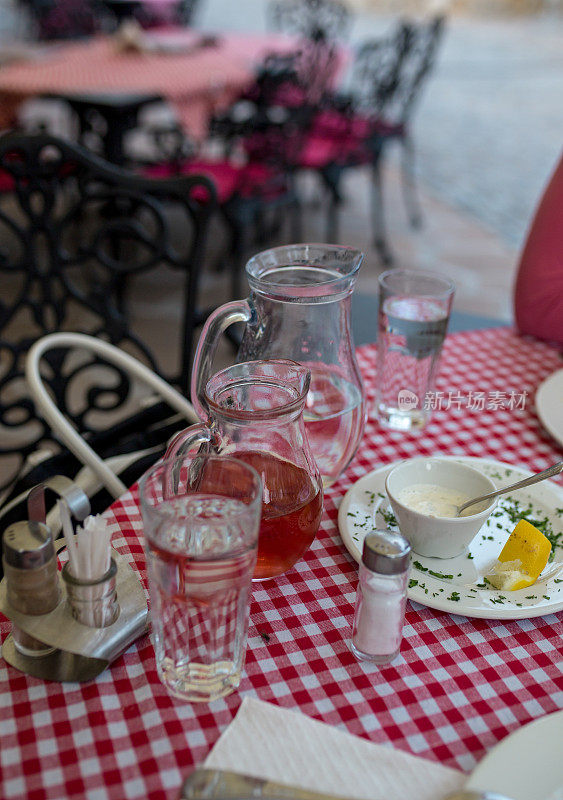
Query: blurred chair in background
x=312 y=19
x=161 y=13
x=250 y=155
x=64 y=19
x=354 y=130
x=72 y=230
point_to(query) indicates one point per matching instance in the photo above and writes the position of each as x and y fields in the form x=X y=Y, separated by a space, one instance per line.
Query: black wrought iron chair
x=396 y=124
x=72 y=230
x=251 y=151
x=314 y=19
x=65 y=19
x=355 y=130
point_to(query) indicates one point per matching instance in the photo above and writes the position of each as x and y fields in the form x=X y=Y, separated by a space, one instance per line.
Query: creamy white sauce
x=434 y=501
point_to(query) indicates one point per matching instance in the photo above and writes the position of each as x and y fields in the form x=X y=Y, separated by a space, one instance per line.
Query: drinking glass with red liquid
x=254 y=412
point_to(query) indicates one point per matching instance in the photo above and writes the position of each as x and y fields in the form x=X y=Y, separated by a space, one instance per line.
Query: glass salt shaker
x=381 y=597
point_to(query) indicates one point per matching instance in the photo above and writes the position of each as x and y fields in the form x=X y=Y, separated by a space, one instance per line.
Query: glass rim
x=152 y=472
x=288 y=407
x=448 y=286
x=257 y=271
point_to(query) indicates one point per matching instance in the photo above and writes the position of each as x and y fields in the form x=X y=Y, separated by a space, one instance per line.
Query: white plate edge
x=481 y=779
x=539 y=398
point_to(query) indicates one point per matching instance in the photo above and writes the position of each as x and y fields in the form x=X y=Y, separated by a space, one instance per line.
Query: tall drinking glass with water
x=414 y=310
x=299 y=308
x=201 y=516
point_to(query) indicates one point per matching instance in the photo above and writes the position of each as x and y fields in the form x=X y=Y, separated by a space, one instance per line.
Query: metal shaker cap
x=28 y=545
x=386 y=552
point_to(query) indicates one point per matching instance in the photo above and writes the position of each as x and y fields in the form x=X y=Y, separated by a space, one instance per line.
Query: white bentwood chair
x=105 y=471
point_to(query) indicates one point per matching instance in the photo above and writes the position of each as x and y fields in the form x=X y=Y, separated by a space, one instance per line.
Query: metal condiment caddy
x=54 y=645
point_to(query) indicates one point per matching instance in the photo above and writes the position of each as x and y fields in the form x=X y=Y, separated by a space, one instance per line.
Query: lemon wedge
x=521 y=559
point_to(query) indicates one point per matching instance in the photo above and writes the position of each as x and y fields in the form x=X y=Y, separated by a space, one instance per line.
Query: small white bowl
x=439 y=537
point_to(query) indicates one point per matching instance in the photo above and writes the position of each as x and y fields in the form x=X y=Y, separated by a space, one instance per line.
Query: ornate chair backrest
x=314 y=19
x=72 y=229
x=377 y=71
x=389 y=73
x=417 y=63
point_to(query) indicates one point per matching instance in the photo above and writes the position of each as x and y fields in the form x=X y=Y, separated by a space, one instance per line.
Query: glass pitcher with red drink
x=254 y=412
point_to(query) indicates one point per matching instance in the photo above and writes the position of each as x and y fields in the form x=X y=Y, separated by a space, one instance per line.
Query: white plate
x=457 y=583
x=527 y=764
x=549 y=405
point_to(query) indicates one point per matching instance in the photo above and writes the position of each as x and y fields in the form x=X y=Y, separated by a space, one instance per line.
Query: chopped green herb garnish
x=388 y=516
x=439 y=574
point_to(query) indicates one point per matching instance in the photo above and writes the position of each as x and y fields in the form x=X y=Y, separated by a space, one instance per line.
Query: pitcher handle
x=216 y=324
x=182 y=443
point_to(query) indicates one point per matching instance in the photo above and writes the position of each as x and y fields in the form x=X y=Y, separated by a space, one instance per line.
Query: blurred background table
x=195 y=73
x=458 y=686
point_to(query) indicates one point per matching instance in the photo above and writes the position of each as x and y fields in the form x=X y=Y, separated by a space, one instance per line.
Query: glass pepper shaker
x=30 y=567
x=381 y=597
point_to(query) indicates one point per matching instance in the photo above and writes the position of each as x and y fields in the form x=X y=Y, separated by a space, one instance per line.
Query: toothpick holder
x=79 y=651
x=93 y=603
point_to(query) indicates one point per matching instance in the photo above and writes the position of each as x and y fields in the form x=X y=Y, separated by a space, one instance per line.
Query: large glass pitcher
x=299 y=308
x=254 y=412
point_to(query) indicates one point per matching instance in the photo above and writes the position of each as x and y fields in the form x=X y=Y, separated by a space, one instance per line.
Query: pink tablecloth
x=458 y=687
x=196 y=82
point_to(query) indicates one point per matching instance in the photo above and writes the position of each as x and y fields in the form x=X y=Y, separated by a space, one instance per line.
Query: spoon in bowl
x=541 y=476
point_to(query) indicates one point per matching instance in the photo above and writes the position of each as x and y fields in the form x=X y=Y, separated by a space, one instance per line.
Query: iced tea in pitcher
x=255 y=413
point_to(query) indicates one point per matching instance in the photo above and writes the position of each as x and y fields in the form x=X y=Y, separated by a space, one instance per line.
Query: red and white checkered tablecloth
x=457 y=688
x=196 y=83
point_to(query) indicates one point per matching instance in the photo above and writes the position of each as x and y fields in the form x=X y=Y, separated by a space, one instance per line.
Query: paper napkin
x=266 y=741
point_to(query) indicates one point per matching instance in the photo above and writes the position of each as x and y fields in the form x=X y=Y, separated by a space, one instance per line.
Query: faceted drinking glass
x=201 y=516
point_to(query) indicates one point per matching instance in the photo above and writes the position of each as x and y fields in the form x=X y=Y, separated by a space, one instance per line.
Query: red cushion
x=6 y=181
x=250 y=180
x=321 y=151
x=338 y=123
x=261 y=180
x=225 y=176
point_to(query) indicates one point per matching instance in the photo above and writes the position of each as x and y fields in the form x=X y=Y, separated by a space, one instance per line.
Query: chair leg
x=332 y=220
x=331 y=179
x=378 y=220
x=296 y=219
x=410 y=195
x=238 y=249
